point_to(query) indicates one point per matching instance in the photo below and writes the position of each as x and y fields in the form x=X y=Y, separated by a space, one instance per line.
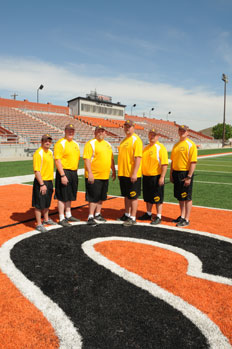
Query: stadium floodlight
x=150 y=111
x=225 y=79
x=168 y=114
x=134 y=105
x=39 y=88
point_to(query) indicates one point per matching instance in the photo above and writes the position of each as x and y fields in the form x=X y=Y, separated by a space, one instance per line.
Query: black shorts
x=42 y=201
x=152 y=191
x=97 y=191
x=68 y=192
x=128 y=189
x=181 y=192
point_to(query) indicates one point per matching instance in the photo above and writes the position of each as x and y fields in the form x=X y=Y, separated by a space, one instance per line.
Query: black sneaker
x=65 y=223
x=91 y=221
x=177 y=220
x=145 y=217
x=72 y=219
x=124 y=218
x=99 y=218
x=182 y=223
x=156 y=221
x=129 y=222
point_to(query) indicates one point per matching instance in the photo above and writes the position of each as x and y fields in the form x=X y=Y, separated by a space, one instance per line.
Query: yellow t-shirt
x=183 y=153
x=44 y=163
x=129 y=148
x=100 y=154
x=68 y=152
x=154 y=156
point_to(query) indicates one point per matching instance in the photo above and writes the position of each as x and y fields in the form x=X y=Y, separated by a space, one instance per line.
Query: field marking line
x=212 y=183
x=25 y=178
x=30 y=178
x=213 y=155
x=209 y=329
x=213 y=165
x=63 y=326
x=212 y=171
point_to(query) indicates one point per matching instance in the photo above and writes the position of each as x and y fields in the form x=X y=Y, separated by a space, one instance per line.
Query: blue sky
x=162 y=54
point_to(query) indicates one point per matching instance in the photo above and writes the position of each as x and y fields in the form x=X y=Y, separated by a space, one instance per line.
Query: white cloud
x=198 y=108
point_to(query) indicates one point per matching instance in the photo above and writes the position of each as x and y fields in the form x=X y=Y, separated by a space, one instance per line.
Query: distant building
x=96 y=105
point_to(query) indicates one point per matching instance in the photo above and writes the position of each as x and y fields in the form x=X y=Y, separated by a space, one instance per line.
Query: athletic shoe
x=156 y=221
x=65 y=223
x=91 y=221
x=99 y=218
x=182 y=223
x=145 y=217
x=72 y=219
x=41 y=228
x=124 y=218
x=177 y=220
x=129 y=222
x=49 y=222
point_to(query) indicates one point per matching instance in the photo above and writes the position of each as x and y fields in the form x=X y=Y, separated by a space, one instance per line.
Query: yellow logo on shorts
x=132 y=194
x=156 y=198
x=184 y=194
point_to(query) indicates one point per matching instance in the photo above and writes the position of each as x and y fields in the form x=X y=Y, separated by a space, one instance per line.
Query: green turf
x=21 y=168
x=204 y=194
x=211 y=151
x=214 y=151
x=212 y=182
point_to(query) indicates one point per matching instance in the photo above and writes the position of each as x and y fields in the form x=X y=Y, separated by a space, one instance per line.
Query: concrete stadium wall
x=19 y=152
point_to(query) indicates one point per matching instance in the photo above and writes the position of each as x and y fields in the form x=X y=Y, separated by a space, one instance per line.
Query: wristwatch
x=188 y=177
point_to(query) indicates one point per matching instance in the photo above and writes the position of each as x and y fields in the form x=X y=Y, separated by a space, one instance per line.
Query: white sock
x=90 y=216
x=127 y=214
x=149 y=213
x=159 y=215
x=97 y=214
x=132 y=217
x=68 y=214
x=61 y=216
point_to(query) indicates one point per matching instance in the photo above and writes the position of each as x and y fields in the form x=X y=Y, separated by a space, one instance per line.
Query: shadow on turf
x=28 y=217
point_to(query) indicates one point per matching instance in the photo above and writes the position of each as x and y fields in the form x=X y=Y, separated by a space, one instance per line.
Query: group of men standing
x=136 y=167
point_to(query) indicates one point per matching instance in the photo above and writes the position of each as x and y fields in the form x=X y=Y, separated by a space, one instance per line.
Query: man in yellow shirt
x=154 y=168
x=43 y=166
x=98 y=158
x=130 y=172
x=184 y=159
x=67 y=156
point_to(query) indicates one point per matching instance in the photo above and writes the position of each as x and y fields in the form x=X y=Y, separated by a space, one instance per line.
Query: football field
x=115 y=287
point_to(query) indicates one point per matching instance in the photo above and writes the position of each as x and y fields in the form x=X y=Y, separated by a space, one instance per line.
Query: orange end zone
x=168 y=270
x=20 y=318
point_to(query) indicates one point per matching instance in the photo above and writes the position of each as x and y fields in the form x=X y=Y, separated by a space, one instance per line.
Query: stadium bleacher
x=25 y=122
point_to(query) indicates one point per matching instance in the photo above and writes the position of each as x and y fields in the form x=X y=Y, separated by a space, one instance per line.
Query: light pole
x=150 y=112
x=168 y=114
x=39 y=88
x=134 y=105
x=225 y=79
